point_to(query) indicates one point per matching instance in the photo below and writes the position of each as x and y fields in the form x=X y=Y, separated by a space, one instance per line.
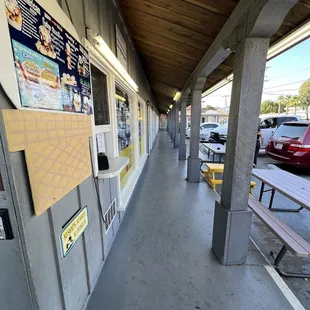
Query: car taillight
x=299 y=147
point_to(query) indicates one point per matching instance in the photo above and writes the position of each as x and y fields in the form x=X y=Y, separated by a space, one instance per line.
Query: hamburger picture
x=49 y=79
x=32 y=71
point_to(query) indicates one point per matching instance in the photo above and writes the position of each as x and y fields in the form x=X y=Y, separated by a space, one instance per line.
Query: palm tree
x=304 y=93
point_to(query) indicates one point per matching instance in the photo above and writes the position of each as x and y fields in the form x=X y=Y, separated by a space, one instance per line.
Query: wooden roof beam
x=248 y=19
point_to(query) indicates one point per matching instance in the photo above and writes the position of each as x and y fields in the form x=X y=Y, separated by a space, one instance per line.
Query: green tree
x=284 y=102
x=209 y=107
x=269 y=106
x=296 y=102
x=304 y=93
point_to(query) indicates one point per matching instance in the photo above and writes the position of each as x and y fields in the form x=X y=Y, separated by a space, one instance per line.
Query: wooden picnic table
x=216 y=149
x=293 y=187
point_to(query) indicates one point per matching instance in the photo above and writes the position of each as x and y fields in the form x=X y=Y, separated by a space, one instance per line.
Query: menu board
x=52 y=67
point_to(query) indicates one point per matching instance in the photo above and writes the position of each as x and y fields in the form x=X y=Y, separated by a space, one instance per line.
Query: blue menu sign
x=52 y=67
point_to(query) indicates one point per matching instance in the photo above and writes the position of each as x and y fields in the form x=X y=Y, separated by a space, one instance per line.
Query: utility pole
x=226 y=103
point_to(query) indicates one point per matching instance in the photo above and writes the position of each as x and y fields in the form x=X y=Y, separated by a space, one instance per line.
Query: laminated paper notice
x=100 y=142
x=73 y=230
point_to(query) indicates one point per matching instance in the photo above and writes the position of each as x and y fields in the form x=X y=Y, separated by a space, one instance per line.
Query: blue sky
x=284 y=75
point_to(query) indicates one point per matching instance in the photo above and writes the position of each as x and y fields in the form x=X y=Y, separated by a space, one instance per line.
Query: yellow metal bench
x=210 y=176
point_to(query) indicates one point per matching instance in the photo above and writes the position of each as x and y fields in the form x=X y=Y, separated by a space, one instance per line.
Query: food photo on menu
x=68 y=58
x=68 y=93
x=14 y=14
x=45 y=45
x=77 y=105
x=38 y=84
x=49 y=79
x=68 y=79
x=80 y=65
x=87 y=108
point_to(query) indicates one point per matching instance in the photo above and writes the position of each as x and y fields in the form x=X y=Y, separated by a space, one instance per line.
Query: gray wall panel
x=14 y=281
x=92 y=15
x=73 y=266
x=113 y=183
x=93 y=234
x=104 y=21
x=38 y=239
x=76 y=8
x=105 y=195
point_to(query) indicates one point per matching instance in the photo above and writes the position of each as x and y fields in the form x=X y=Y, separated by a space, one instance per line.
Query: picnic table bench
x=297 y=190
x=290 y=239
x=288 y=184
x=214 y=169
x=216 y=149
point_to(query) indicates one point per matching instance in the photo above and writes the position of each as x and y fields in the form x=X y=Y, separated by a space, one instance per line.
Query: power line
x=281 y=76
x=290 y=89
x=285 y=84
x=268 y=88
x=269 y=94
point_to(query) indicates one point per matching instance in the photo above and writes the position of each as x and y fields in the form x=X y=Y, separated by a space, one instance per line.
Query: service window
x=100 y=97
x=141 y=128
x=124 y=129
x=101 y=118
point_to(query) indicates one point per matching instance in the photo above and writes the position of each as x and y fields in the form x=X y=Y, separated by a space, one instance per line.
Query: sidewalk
x=162 y=257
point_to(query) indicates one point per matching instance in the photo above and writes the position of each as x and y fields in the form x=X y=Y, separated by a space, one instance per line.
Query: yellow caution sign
x=73 y=230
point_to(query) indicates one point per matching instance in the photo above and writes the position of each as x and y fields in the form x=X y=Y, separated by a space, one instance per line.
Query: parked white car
x=268 y=124
x=188 y=132
x=205 y=129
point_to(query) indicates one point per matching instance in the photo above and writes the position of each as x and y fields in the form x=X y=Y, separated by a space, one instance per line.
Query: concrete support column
x=169 y=120
x=193 y=165
x=167 y=127
x=182 y=144
x=176 y=141
x=232 y=221
x=171 y=123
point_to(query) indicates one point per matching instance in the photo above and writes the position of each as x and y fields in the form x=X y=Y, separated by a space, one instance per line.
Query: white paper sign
x=100 y=142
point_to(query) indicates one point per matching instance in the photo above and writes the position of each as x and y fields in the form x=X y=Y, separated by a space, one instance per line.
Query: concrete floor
x=268 y=243
x=298 y=221
x=162 y=257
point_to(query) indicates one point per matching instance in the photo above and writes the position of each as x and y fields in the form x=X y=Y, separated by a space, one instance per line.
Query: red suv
x=291 y=144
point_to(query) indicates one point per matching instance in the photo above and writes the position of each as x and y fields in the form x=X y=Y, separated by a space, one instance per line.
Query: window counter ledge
x=116 y=167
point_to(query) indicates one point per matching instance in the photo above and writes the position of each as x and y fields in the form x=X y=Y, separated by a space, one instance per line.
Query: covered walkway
x=162 y=256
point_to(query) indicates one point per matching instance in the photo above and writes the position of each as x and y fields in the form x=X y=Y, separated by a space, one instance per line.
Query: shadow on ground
x=268 y=243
